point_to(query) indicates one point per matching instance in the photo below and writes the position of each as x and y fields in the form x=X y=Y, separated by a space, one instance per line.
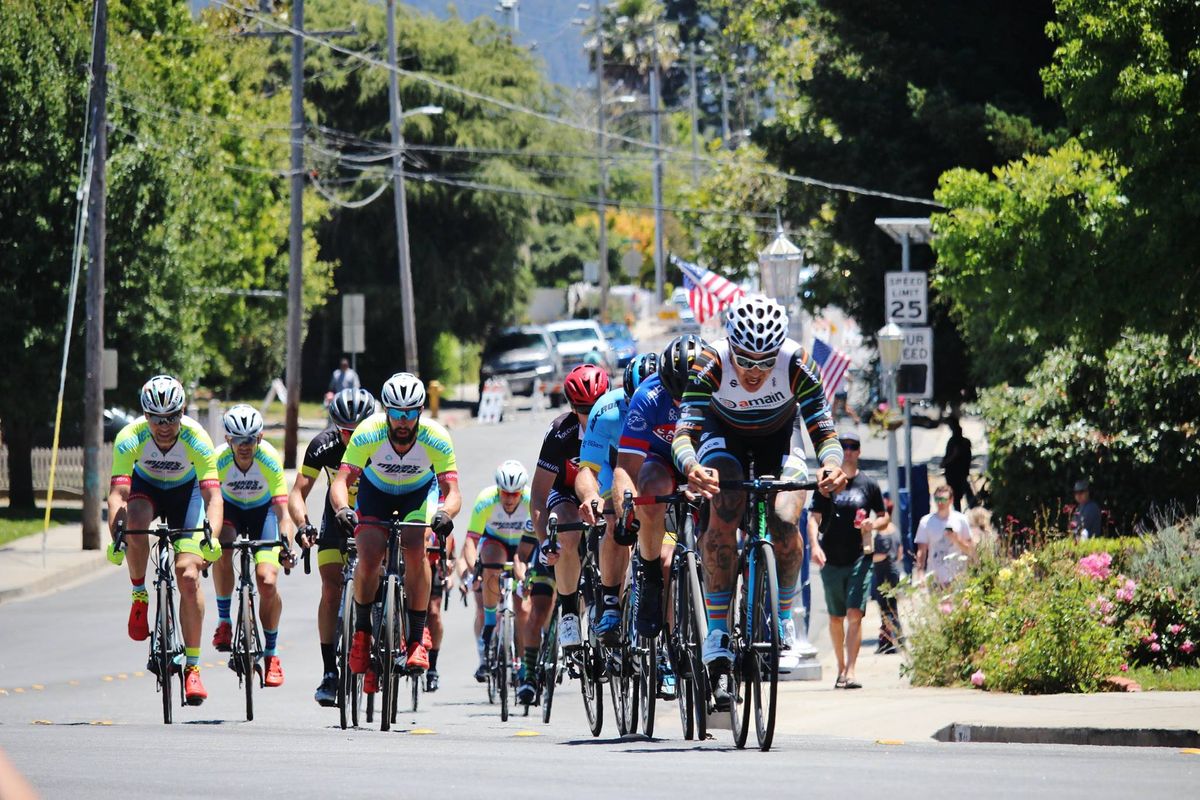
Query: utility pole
x=93 y=384
x=659 y=271
x=724 y=112
x=295 y=242
x=695 y=109
x=407 y=304
x=602 y=144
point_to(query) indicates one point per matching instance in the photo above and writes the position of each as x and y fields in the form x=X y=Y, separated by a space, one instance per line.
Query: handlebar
x=162 y=531
x=768 y=484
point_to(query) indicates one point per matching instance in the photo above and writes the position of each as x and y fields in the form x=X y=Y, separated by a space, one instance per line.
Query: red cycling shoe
x=223 y=637
x=274 y=676
x=193 y=689
x=370 y=682
x=427 y=639
x=418 y=658
x=360 y=652
x=139 y=612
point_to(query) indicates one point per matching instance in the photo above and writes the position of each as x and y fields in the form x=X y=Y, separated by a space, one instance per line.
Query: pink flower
x=1187 y=647
x=1125 y=592
x=977 y=677
x=1124 y=668
x=1097 y=566
x=1154 y=648
x=946 y=607
x=1175 y=628
x=1153 y=636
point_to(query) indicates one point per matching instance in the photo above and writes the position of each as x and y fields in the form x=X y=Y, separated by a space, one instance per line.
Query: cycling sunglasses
x=164 y=421
x=585 y=410
x=745 y=362
x=404 y=414
x=243 y=440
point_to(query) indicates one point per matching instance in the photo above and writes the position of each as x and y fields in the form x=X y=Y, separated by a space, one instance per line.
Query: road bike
x=166 y=648
x=350 y=686
x=246 y=651
x=754 y=632
x=550 y=655
x=502 y=651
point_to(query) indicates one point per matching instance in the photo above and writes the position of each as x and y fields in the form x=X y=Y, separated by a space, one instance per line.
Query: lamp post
x=407 y=304
x=779 y=268
x=890 y=339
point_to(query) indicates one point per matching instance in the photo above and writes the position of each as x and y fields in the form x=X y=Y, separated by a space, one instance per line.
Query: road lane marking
x=526 y=733
x=889 y=741
x=42 y=722
x=1190 y=751
x=122 y=676
x=3 y=692
x=37 y=686
x=19 y=690
x=422 y=732
x=139 y=674
x=102 y=722
x=72 y=683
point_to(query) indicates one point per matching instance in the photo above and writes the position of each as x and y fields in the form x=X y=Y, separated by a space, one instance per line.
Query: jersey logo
x=162 y=466
x=665 y=432
x=636 y=422
x=242 y=485
x=399 y=469
x=773 y=399
x=711 y=444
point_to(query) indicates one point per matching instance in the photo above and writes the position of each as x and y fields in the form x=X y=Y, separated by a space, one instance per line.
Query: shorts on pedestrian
x=847 y=587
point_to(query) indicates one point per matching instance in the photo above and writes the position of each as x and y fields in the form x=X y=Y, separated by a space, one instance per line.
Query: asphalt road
x=87 y=722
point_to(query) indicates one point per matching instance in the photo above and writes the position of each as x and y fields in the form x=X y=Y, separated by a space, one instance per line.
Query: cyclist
x=255 y=495
x=405 y=464
x=501 y=529
x=434 y=629
x=739 y=405
x=553 y=489
x=593 y=484
x=324 y=453
x=164 y=466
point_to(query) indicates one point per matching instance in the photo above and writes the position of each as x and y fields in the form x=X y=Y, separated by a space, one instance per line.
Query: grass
x=1180 y=679
x=15 y=524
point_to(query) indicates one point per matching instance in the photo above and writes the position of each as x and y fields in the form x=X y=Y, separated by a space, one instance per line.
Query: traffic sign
x=632 y=263
x=353 y=323
x=906 y=297
x=914 y=380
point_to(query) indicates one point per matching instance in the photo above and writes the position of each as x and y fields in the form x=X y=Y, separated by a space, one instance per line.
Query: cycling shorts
x=510 y=550
x=772 y=454
x=333 y=551
x=540 y=577
x=259 y=523
x=180 y=506
x=376 y=507
x=557 y=498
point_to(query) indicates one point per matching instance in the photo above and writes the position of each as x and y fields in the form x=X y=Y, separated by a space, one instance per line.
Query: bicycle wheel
x=741 y=703
x=621 y=683
x=648 y=682
x=499 y=636
x=548 y=663
x=243 y=650
x=679 y=638
x=164 y=657
x=390 y=629
x=762 y=654
x=694 y=643
x=401 y=638
x=591 y=668
x=347 y=682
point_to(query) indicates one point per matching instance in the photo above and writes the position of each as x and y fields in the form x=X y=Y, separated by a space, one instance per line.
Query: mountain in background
x=545 y=27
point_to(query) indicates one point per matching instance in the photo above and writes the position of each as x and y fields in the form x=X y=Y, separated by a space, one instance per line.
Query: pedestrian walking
x=885 y=566
x=844 y=555
x=344 y=377
x=944 y=542
x=956 y=464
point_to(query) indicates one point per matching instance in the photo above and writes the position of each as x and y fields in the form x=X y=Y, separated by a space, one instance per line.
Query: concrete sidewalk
x=889 y=708
x=24 y=571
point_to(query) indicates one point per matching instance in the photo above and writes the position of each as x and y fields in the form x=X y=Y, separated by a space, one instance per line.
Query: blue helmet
x=637 y=370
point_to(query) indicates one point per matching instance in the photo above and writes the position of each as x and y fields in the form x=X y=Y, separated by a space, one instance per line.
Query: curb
x=1099 y=737
x=57 y=580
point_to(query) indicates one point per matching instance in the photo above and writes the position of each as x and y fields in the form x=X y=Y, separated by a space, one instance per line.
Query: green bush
x=1163 y=616
x=1126 y=418
x=1124 y=550
x=453 y=361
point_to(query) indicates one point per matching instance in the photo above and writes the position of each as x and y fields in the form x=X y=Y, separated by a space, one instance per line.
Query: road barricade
x=491 y=401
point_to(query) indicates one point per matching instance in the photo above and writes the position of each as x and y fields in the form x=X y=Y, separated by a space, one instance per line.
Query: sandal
x=851 y=684
x=840 y=683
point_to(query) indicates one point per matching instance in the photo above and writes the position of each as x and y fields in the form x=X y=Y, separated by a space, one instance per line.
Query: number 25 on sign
x=906 y=297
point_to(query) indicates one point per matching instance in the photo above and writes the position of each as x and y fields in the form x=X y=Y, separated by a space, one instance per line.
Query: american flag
x=833 y=364
x=707 y=291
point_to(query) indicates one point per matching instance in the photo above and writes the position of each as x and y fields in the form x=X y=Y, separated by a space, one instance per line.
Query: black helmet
x=350 y=407
x=637 y=370
x=676 y=361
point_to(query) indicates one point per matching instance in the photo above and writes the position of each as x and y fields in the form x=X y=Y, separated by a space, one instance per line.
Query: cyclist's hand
x=818 y=555
x=831 y=481
x=442 y=525
x=704 y=481
x=586 y=513
x=288 y=559
x=306 y=537
x=347 y=519
x=114 y=555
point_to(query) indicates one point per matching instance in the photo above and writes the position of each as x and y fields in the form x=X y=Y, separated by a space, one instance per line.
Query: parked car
x=621 y=340
x=687 y=322
x=521 y=356
x=576 y=340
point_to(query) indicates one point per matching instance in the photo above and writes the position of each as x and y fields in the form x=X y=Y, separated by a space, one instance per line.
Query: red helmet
x=585 y=384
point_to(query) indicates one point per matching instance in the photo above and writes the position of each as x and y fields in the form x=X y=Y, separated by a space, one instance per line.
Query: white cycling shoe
x=569 y=636
x=716 y=647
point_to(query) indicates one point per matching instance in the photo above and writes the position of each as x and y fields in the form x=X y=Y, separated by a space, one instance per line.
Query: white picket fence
x=69 y=474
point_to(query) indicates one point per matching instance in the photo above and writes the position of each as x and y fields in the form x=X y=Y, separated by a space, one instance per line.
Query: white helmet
x=242 y=420
x=511 y=476
x=403 y=390
x=757 y=325
x=162 y=395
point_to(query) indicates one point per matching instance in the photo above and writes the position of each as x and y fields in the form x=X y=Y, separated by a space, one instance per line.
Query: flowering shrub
x=1095 y=566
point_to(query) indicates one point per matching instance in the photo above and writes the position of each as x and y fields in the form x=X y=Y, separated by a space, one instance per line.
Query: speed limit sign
x=906 y=298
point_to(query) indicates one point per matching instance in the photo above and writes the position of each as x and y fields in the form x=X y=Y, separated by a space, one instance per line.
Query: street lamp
x=407 y=303
x=890 y=340
x=779 y=268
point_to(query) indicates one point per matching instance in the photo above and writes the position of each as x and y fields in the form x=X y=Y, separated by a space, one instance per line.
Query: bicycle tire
x=764 y=645
x=502 y=665
x=402 y=629
x=244 y=649
x=740 y=702
x=678 y=637
x=548 y=663
x=387 y=668
x=589 y=676
x=165 y=658
x=347 y=696
x=698 y=617
x=621 y=684
x=648 y=679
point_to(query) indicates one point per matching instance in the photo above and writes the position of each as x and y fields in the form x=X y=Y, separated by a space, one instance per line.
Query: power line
x=555 y=120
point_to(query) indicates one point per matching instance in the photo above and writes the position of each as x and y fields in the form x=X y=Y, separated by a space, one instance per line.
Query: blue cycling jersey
x=650 y=421
x=599 y=449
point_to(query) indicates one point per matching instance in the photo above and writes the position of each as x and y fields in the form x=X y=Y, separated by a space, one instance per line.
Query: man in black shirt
x=844 y=555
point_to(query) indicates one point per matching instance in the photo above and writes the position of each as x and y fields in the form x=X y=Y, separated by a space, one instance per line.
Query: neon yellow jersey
x=261 y=484
x=190 y=457
x=371 y=454
x=489 y=518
